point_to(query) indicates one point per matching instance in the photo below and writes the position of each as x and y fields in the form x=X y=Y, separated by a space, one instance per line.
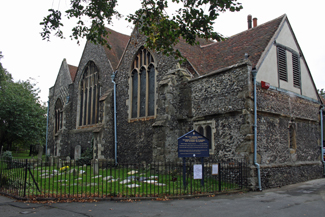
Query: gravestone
x=40 y=152
x=68 y=159
x=95 y=166
x=60 y=164
x=48 y=151
x=77 y=152
x=51 y=161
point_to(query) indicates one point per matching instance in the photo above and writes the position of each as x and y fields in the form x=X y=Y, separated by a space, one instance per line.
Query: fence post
x=219 y=172
x=1 y=168
x=25 y=183
x=202 y=180
x=184 y=173
x=241 y=174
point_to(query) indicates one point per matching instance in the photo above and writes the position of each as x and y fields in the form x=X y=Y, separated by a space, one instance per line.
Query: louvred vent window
x=282 y=64
x=296 y=70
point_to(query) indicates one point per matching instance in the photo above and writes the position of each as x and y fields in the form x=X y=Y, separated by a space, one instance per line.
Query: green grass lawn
x=83 y=182
x=25 y=155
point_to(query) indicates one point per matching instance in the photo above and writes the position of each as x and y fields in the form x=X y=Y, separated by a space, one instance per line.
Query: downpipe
x=115 y=127
x=254 y=73
x=322 y=135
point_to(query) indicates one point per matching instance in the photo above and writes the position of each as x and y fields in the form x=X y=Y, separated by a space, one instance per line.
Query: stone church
x=214 y=92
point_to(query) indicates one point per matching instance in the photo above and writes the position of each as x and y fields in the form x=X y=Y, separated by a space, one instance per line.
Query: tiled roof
x=322 y=99
x=218 y=55
x=73 y=71
x=118 y=43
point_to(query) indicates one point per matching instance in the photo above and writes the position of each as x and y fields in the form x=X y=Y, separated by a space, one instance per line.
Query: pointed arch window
x=89 y=95
x=207 y=128
x=143 y=85
x=58 y=115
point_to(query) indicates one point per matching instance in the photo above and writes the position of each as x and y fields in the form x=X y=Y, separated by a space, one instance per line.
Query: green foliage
x=7 y=155
x=4 y=75
x=321 y=92
x=190 y=21
x=22 y=116
x=13 y=180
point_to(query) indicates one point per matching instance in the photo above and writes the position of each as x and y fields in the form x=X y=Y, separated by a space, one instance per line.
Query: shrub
x=7 y=155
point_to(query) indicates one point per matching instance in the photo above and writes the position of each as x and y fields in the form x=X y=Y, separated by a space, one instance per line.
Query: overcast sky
x=26 y=55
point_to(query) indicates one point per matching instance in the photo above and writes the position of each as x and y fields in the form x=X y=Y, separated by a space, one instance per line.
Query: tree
x=22 y=117
x=163 y=31
x=4 y=75
x=321 y=92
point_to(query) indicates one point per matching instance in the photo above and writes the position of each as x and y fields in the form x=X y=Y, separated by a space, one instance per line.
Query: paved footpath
x=303 y=199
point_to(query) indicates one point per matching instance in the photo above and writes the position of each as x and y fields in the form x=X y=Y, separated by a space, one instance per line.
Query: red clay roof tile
x=118 y=42
x=73 y=71
x=218 y=55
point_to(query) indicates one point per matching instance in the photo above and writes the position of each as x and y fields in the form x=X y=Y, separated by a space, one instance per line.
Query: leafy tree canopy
x=193 y=18
x=4 y=74
x=22 y=117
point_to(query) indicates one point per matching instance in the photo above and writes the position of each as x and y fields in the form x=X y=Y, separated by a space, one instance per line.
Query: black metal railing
x=67 y=179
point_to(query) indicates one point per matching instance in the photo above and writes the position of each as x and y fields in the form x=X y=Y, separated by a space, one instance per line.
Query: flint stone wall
x=276 y=111
x=280 y=164
x=60 y=90
x=225 y=97
x=146 y=139
x=280 y=176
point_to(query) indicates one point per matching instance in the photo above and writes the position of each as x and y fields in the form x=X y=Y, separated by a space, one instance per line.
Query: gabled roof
x=118 y=42
x=214 y=56
x=322 y=99
x=73 y=71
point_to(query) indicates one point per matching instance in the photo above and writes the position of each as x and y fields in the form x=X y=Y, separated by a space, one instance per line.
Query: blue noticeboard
x=193 y=144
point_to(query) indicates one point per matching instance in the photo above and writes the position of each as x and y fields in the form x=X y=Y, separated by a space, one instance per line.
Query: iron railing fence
x=30 y=178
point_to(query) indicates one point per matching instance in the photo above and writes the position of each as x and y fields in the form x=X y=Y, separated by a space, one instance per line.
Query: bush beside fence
x=27 y=179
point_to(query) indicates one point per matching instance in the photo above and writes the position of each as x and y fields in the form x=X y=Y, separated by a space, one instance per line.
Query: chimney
x=254 y=22
x=249 y=21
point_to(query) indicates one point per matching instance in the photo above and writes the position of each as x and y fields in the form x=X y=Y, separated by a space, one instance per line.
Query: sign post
x=193 y=144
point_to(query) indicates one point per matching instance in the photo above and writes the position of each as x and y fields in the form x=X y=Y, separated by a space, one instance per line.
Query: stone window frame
x=58 y=115
x=143 y=61
x=292 y=142
x=88 y=107
x=204 y=125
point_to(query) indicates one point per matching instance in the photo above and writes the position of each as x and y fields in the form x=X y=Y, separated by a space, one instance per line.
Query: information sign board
x=193 y=144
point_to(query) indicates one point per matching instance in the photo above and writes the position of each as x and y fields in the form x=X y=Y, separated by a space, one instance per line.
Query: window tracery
x=89 y=95
x=143 y=78
x=58 y=115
